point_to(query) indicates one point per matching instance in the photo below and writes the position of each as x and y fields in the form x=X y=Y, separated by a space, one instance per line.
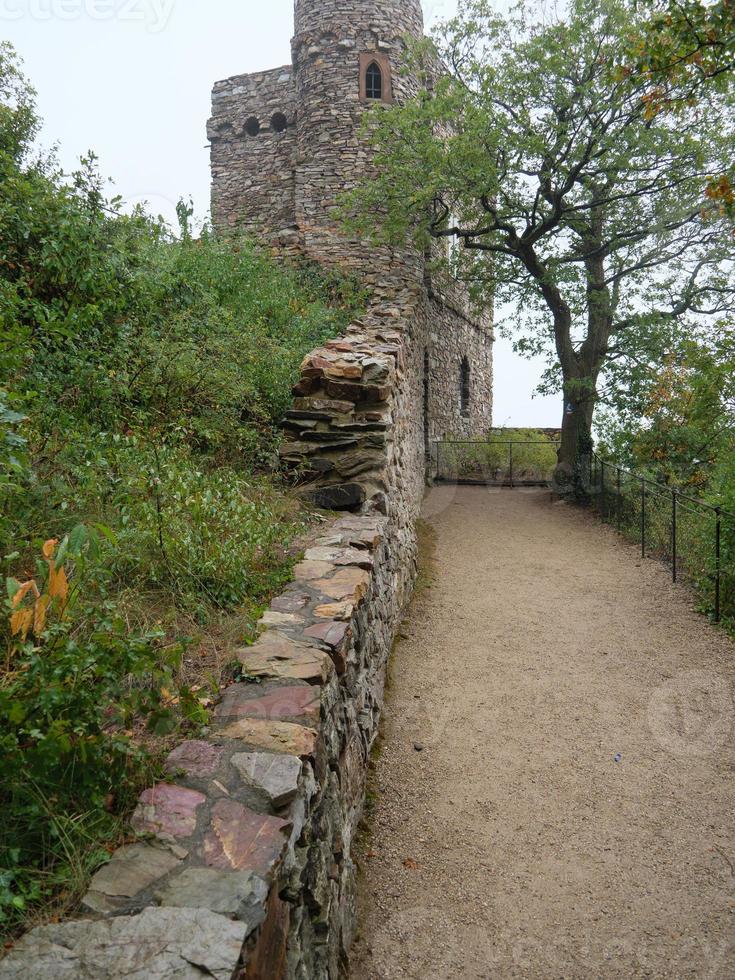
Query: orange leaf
x=50 y=547
x=20 y=623
x=58 y=586
x=39 y=614
x=23 y=592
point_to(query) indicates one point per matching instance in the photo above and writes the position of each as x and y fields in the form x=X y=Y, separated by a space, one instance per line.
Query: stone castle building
x=286 y=143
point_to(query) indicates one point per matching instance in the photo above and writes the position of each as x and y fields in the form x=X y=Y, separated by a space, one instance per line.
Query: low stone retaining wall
x=243 y=868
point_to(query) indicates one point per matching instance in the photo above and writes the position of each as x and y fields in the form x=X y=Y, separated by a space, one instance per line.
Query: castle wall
x=253 y=174
x=367 y=406
x=451 y=338
x=389 y=18
x=333 y=156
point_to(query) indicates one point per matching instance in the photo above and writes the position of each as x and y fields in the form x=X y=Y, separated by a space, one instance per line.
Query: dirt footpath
x=555 y=793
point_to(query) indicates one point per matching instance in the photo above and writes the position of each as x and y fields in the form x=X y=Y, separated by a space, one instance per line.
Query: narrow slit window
x=373 y=82
x=464 y=388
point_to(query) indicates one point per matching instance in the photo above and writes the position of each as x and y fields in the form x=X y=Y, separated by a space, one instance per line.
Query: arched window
x=375 y=77
x=464 y=388
x=373 y=81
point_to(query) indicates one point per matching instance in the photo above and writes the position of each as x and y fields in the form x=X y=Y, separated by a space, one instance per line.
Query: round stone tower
x=347 y=57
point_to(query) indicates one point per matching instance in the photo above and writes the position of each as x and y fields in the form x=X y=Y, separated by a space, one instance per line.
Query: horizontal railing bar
x=665 y=490
x=470 y=442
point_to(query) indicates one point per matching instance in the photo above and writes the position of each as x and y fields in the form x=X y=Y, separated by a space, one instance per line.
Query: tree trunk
x=573 y=469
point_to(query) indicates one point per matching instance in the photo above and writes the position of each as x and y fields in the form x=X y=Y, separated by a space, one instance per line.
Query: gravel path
x=554 y=796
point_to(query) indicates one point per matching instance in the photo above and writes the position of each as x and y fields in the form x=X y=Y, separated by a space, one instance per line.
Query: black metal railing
x=697 y=539
x=495 y=463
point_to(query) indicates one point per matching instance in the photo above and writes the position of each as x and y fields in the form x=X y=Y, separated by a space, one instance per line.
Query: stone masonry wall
x=330 y=37
x=253 y=174
x=243 y=866
x=452 y=337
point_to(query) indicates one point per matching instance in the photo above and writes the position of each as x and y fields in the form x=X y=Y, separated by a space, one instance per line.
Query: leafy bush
x=533 y=457
x=74 y=678
x=12 y=453
x=143 y=377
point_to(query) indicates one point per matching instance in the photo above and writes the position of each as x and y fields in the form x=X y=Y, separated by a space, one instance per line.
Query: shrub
x=74 y=678
x=533 y=457
x=146 y=377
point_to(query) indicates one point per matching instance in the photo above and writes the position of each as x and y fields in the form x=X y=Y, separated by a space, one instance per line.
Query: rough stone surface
x=277 y=655
x=275 y=775
x=158 y=944
x=284 y=701
x=237 y=894
x=169 y=810
x=347 y=584
x=130 y=871
x=276 y=736
x=194 y=758
x=241 y=840
x=340 y=556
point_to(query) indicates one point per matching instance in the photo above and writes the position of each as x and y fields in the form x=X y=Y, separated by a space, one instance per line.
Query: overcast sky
x=131 y=80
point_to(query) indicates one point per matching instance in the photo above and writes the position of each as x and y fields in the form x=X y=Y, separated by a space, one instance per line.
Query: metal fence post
x=620 y=504
x=510 y=453
x=643 y=517
x=718 y=561
x=603 y=499
x=673 y=535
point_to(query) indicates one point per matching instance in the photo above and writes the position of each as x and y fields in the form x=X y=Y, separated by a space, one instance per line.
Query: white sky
x=131 y=79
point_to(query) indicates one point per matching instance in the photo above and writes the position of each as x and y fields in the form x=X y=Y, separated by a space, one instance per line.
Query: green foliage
x=561 y=185
x=675 y=424
x=685 y=44
x=529 y=454
x=685 y=50
x=73 y=679
x=12 y=454
x=676 y=419
x=143 y=377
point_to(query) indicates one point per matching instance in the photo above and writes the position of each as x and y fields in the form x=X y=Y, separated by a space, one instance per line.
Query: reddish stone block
x=306 y=386
x=341 y=345
x=268 y=958
x=239 y=839
x=167 y=809
x=312 y=569
x=335 y=610
x=194 y=758
x=348 y=583
x=336 y=636
x=343 y=369
x=282 y=702
x=331 y=633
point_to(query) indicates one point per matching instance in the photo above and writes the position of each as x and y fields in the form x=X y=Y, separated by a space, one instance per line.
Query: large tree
x=685 y=49
x=566 y=188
